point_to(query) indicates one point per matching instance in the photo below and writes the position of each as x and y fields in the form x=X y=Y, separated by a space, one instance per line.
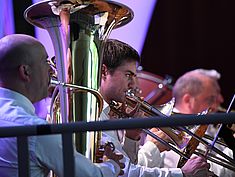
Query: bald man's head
x=16 y=49
x=198 y=90
x=193 y=82
x=23 y=66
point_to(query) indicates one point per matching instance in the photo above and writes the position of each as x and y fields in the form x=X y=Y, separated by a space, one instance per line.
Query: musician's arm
x=149 y=155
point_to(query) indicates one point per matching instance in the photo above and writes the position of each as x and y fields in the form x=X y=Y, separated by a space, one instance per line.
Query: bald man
x=24 y=80
x=196 y=91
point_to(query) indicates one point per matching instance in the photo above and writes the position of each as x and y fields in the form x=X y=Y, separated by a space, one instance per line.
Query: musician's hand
x=196 y=167
x=135 y=133
x=109 y=154
x=161 y=135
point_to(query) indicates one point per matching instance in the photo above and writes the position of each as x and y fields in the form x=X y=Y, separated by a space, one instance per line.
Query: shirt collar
x=106 y=108
x=175 y=110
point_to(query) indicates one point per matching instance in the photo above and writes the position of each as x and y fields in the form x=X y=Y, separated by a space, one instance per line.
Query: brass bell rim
x=121 y=13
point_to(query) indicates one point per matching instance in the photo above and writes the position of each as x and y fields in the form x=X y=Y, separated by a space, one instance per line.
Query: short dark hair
x=117 y=52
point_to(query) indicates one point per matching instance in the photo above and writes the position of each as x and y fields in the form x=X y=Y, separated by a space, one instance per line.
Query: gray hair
x=191 y=82
x=210 y=73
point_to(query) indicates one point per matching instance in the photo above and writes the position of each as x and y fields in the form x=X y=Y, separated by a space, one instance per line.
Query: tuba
x=78 y=30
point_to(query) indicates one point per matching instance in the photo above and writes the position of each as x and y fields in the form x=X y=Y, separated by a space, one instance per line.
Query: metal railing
x=66 y=130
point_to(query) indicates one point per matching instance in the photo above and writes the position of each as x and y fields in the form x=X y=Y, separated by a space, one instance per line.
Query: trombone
x=179 y=135
x=117 y=109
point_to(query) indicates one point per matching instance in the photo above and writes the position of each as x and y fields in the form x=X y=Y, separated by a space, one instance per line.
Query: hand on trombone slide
x=197 y=166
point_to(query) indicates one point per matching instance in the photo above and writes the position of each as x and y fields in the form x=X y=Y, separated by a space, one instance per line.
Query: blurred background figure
x=195 y=92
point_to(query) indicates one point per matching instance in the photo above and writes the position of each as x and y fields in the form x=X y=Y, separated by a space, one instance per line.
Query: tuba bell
x=78 y=30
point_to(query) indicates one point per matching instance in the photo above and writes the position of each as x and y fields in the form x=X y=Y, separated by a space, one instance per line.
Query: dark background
x=183 y=35
x=190 y=34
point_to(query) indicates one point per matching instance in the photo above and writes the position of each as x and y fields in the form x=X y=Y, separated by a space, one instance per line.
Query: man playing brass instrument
x=24 y=80
x=119 y=75
x=194 y=92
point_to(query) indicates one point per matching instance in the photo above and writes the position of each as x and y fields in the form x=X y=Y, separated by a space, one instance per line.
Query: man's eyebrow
x=132 y=73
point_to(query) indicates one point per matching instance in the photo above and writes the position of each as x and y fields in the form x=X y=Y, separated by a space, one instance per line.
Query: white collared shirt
x=45 y=152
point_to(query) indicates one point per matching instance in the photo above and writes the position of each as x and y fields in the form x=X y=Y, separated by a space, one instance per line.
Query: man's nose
x=131 y=83
x=134 y=83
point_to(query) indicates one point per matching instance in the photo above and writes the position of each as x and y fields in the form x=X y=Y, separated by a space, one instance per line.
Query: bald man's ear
x=186 y=98
x=25 y=72
x=189 y=101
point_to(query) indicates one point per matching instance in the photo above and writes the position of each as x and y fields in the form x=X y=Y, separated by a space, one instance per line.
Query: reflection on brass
x=78 y=30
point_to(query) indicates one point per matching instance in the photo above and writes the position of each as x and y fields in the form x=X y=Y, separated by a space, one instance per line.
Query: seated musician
x=24 y=80
x=195 y=92
x=118 y=75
